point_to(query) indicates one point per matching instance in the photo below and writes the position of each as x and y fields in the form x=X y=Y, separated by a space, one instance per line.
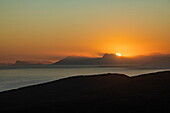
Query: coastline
x=115 y=92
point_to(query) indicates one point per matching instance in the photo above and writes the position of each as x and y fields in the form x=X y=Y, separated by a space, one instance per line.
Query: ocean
x=17 y=77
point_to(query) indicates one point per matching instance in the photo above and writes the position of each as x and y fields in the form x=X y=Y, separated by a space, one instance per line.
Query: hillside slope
x=89 y=94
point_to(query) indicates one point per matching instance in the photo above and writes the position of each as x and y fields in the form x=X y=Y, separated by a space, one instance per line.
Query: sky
x=53 y=29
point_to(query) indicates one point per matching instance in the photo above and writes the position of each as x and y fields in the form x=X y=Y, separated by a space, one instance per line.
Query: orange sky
x=41 y=30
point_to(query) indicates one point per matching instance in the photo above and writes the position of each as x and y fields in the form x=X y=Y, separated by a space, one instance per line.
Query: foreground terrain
x=89 y=94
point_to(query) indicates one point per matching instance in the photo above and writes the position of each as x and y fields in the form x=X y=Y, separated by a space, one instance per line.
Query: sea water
x=16 y=77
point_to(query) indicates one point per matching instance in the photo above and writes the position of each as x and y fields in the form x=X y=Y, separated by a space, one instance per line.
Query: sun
x=118 y=54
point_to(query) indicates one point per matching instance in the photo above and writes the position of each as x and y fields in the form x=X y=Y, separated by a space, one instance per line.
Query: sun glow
x=118 y=54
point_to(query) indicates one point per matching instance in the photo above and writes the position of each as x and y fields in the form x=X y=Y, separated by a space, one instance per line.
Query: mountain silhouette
x=19 y=62
x=113 y=60
x=74 y=60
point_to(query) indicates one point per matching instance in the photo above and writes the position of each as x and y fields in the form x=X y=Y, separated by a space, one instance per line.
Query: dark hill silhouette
x=104 y=93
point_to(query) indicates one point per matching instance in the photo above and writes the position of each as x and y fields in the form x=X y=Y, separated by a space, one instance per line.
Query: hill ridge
x=89 y=94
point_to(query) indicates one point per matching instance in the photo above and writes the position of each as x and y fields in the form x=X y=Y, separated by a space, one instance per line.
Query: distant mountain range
x=114 y=60
x=106 y=59
x=19 y=62
x=154 y=61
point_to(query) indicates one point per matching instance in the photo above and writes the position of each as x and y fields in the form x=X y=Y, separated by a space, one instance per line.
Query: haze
x=52 y=29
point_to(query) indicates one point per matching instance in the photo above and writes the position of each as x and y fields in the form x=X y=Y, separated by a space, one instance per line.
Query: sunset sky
x=53 y=29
